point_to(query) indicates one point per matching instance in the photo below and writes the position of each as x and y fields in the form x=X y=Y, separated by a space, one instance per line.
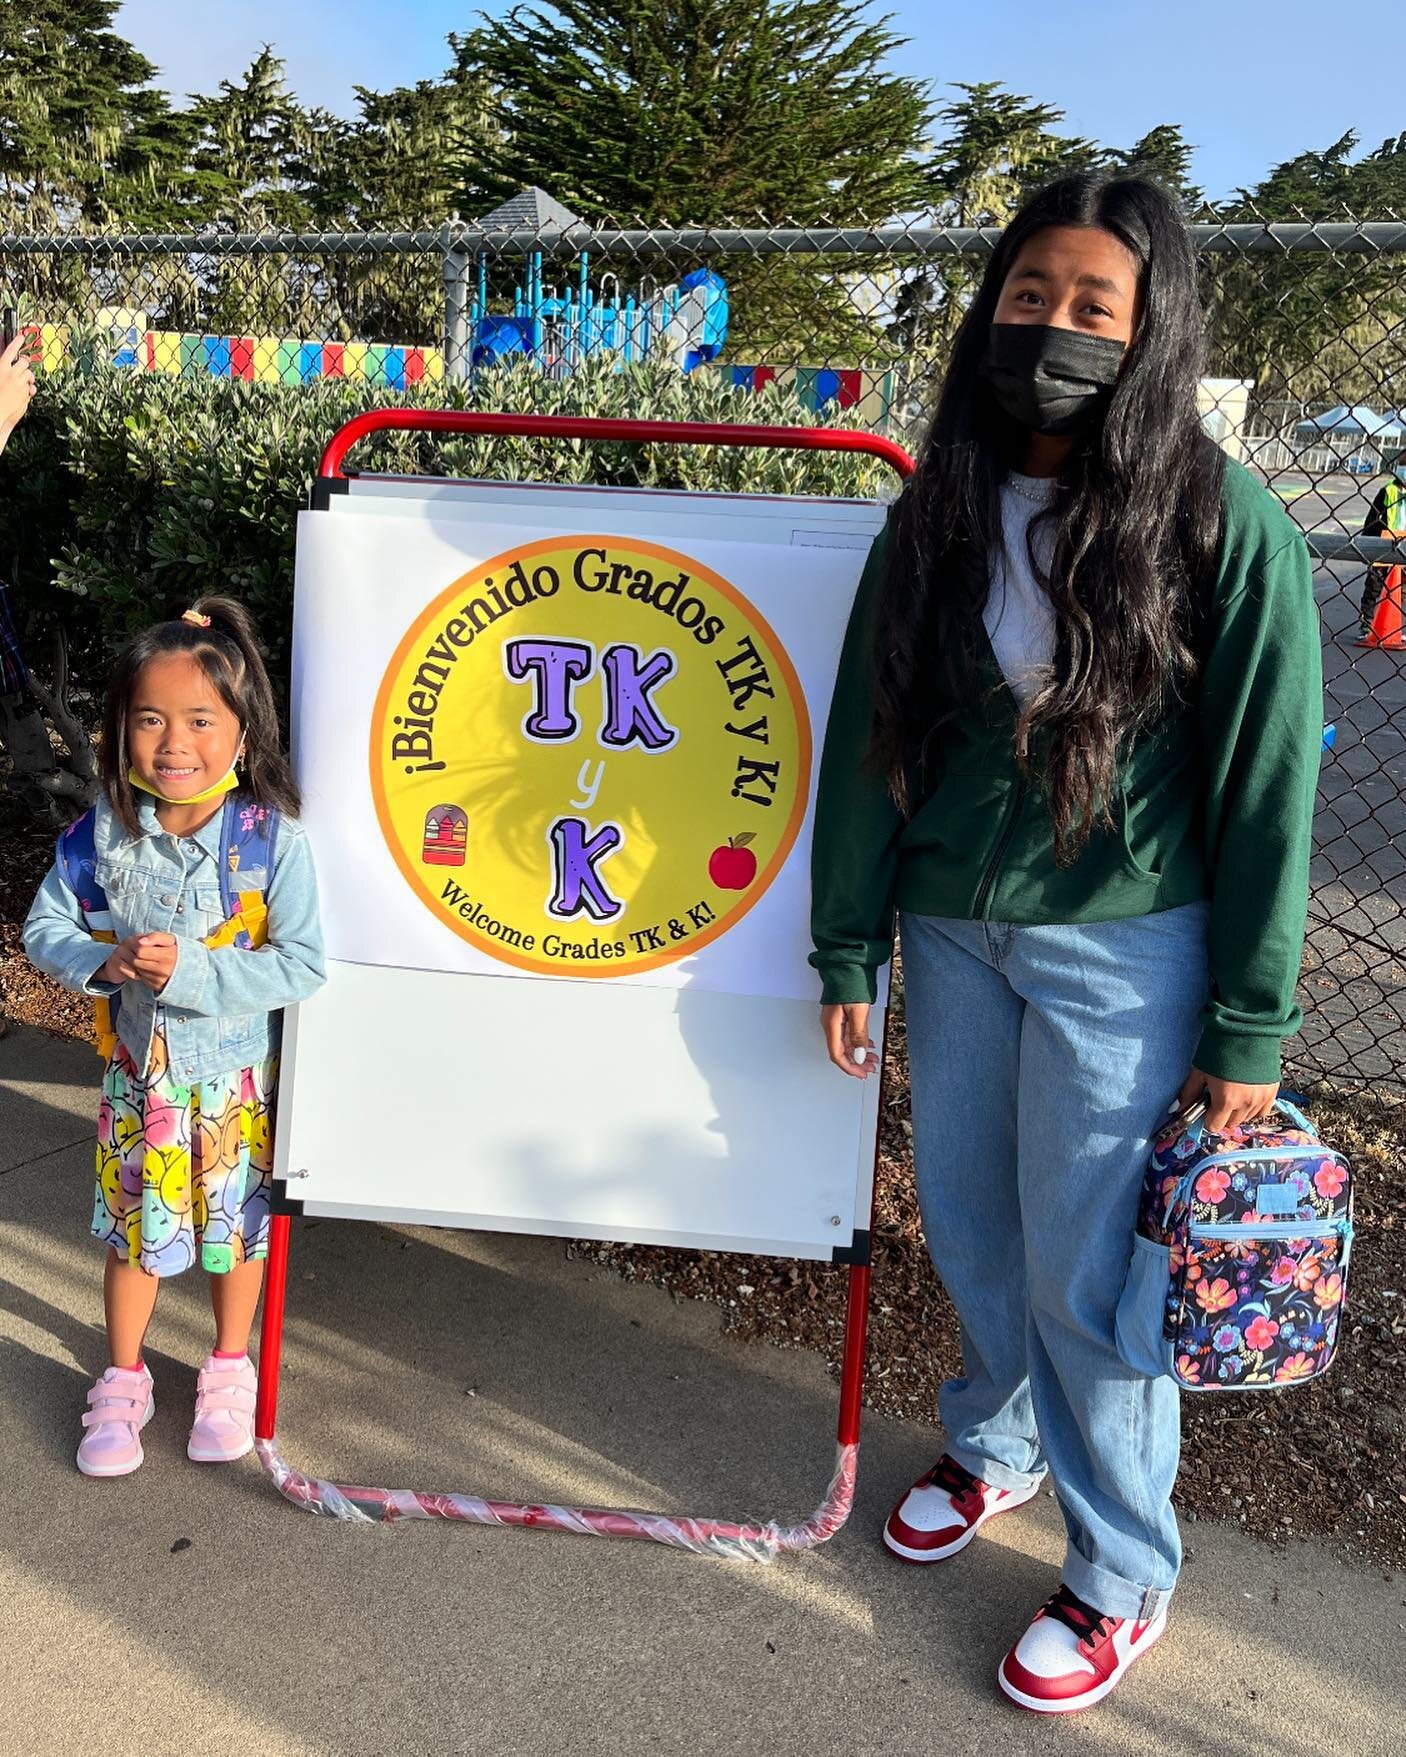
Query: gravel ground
x=1327 y=1459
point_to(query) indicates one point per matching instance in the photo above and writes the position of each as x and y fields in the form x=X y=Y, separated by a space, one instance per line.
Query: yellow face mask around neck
x=227 y=785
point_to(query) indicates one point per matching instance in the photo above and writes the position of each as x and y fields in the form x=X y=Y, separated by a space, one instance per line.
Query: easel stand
x=718 y=1537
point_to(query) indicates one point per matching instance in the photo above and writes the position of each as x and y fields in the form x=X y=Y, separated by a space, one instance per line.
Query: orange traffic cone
x=1386 y=629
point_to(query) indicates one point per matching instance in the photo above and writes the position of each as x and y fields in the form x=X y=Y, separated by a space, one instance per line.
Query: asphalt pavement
x=190 y=1610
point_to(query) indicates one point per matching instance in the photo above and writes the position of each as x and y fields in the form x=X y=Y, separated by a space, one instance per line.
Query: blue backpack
x=249 y=838
x=1239 y=1267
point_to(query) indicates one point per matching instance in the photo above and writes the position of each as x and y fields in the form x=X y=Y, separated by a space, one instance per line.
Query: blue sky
x=1251 y=81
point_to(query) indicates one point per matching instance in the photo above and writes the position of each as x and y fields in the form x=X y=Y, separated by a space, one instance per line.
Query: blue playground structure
x=686 y=323
x=557 y=328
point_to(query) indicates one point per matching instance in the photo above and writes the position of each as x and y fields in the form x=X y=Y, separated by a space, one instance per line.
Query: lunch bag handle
x=1194 y=1119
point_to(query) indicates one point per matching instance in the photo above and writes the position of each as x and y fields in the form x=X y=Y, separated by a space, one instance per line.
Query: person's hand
x=1228 y=1103
x=17 y=385
x=155 y=960
x=847 y=1032
x=121 y=963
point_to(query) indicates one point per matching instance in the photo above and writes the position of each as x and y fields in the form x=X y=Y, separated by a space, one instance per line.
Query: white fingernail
x=861 y=1055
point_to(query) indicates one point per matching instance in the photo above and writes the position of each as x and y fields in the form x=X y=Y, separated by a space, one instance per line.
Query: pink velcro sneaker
x=119 y=1407
x=224 y=1411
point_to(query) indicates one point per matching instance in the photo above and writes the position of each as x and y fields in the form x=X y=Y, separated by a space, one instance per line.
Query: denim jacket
x=220 y=1009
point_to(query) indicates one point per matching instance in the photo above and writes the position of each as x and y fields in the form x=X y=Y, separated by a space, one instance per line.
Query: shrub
x=128 y=494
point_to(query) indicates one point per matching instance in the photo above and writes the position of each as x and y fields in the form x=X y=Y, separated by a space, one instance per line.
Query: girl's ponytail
x=231 y=618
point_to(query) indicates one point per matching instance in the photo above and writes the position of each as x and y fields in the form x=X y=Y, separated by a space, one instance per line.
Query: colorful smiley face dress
x=184 y=1172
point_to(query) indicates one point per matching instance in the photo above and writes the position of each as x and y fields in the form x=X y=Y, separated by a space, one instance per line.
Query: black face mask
x=1049 y=380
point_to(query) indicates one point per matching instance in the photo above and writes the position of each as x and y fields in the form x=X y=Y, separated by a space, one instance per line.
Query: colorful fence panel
x=865 y=393
x=253 y=359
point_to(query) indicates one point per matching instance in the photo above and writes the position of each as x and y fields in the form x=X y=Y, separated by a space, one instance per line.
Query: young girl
x=184 y=1146
x=1074 y=742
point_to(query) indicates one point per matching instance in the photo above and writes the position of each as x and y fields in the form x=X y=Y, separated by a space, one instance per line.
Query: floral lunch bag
x=1240 y=1258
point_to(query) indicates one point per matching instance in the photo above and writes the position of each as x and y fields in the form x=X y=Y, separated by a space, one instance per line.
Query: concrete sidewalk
x=274 y=1632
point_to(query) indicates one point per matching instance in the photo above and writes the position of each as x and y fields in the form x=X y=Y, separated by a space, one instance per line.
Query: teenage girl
x=1074 y=743
x=184 y=1126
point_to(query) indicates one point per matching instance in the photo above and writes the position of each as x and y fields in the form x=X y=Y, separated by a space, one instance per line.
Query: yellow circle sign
x=590 y=756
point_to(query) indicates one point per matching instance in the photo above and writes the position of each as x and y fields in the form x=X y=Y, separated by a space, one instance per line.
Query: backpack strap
x=76 y=855
x=248 y=839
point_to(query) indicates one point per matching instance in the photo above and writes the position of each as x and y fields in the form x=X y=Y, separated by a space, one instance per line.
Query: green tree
x=249 y=165
x=145 y=181
x=254 y=164
x=397 y=166
x=78 y=114
x=85 y=140
x=1164 y=153
x=999 y=145
x=700 y=111
x=1311 y=185
x=1316 y=328
x=401 y=159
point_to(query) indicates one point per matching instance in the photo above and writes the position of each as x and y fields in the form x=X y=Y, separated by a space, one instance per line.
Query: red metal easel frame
x=759 y=1541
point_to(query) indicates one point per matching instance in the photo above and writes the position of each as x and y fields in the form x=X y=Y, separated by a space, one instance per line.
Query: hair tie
x=195 y=618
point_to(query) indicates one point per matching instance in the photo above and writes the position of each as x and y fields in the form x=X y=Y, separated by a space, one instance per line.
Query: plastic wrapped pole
x=732 y=1540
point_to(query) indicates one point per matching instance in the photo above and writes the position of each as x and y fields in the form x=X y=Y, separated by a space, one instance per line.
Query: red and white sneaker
x=944 y=1510
x=1071 y=1657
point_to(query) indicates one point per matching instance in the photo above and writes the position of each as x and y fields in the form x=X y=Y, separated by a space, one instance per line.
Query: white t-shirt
x=1019 y=617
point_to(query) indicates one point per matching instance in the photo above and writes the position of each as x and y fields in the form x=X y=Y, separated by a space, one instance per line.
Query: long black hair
x=1134 y=528
x=227 y=651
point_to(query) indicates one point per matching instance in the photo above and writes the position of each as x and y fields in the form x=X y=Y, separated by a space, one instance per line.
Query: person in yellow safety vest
x=1386 y=518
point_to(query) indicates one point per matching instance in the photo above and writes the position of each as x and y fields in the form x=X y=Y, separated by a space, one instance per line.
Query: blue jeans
x=1043 y=1058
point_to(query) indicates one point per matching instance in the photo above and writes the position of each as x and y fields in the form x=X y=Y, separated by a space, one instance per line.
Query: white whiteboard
x=589 y=1111
x=429 y=1086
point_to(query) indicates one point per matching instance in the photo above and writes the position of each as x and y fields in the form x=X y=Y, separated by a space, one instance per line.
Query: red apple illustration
x=733 y=867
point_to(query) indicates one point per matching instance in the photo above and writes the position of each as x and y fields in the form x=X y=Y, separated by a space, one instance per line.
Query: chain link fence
x=1306 y=384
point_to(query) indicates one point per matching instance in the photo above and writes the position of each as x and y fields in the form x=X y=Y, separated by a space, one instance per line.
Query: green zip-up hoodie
x=1216 y=801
